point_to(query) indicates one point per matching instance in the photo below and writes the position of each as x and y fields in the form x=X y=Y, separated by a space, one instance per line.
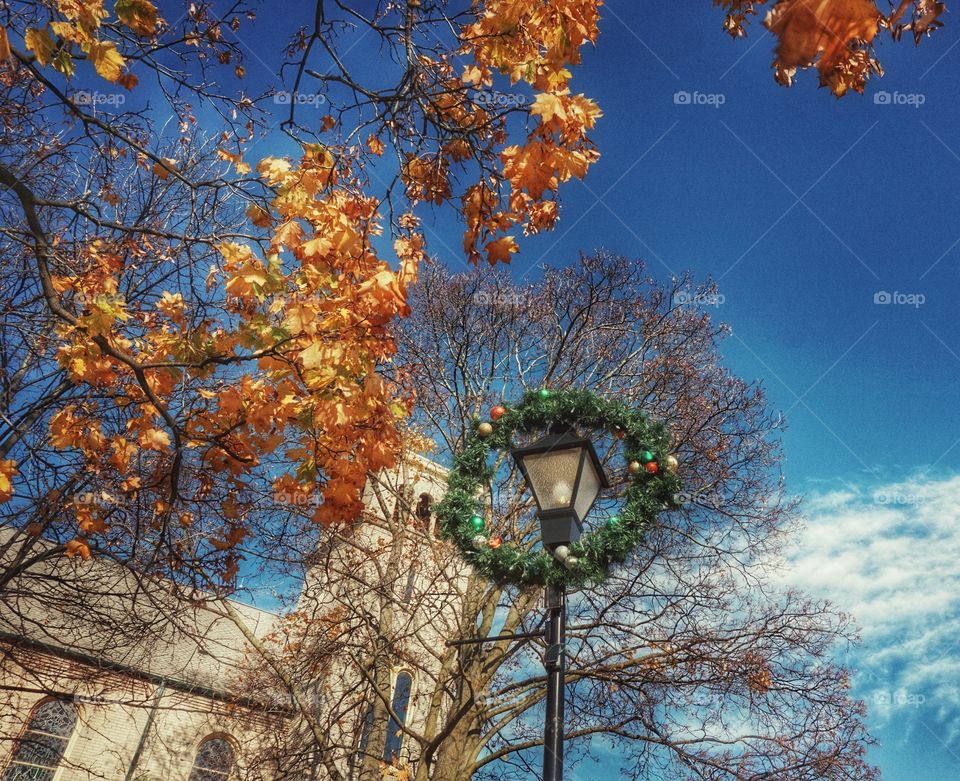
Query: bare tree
x=687 y=662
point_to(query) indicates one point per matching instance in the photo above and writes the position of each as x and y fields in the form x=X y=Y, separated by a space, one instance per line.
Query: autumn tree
x=689 y=660
x=167 y=371
x=156 y=339
x=197 y=335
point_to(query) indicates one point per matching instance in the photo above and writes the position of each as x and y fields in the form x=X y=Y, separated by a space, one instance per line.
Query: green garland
x=653 y=485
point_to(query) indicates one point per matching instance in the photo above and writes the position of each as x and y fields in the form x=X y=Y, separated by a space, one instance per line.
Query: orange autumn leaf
x=375 y=145
x=78 y=548
x=259 y=216
x=499 y=251
x=8 y=470
x=6 y=55
x=155 y=439
x=828 y=34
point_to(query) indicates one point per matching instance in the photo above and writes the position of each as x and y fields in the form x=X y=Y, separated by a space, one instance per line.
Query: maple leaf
x=107 y=60
x=172 y=305
x=41 y=44
x=274 y=169
x=500 y=250
x=139 y=15
x=236 y=158
x=8 y=470
x=259 y=216
x=79 y=548
x=162 y=168
x=548 y=107
x=155 y=439
x=375 y=145
x=828 y=34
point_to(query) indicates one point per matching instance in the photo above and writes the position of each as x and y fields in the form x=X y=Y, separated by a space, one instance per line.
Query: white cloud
x=890 y=556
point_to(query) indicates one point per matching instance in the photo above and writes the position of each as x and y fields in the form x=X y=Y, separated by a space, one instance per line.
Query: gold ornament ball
x=634 y=467
x=672 y=464
x=484 y=429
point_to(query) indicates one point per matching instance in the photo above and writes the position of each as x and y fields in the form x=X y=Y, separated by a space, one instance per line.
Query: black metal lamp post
x=565 y=476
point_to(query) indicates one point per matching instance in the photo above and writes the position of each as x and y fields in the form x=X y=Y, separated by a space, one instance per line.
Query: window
x=423 y=509
x=214 y=760
x=401 y=699
x=40 y=749
x=411 y=585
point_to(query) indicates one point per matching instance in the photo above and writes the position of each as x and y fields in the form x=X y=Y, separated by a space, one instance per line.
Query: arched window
x=40 y=749
x=214 y=760
x=401 y=699
x=411 y=585
x=424 y=508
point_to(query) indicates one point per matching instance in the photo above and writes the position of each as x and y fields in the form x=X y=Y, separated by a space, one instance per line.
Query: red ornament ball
x=498 y=412
x=652 y=467
x=495 y=542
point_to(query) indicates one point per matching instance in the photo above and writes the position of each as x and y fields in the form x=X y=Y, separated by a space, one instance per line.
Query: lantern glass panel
x=588 y=489
x=552 y=476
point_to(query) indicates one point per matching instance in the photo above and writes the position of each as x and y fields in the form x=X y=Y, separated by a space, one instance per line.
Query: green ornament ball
x=613 y=521
x=476 y=523
x=543 y=393
x=646 y=456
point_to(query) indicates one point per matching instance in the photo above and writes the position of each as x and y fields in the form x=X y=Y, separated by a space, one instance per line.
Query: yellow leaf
x=313 y=357
x=472 y=75
x=319 y=246
x=548 y=106
x=274 y=169
x=139 y=15
x=41 y=44
x=8 y=469
x=155 y=439
x=107 y=60
x=236 y=158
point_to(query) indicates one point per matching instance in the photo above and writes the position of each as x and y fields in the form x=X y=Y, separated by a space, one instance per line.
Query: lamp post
x=565 y=476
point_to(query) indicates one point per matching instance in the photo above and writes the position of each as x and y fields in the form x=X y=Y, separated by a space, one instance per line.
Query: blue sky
x=803 y=209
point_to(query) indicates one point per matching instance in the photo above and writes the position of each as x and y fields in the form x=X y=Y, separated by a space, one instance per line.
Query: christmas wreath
x=652 y=485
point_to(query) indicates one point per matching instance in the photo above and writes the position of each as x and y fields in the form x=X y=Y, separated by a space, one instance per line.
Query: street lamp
x=565 y=476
